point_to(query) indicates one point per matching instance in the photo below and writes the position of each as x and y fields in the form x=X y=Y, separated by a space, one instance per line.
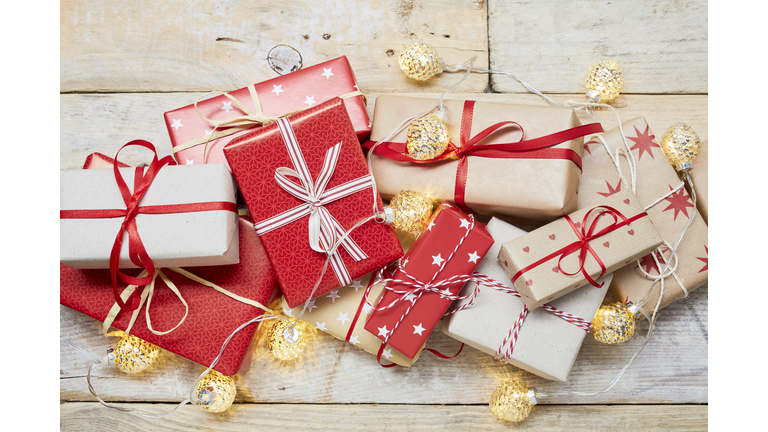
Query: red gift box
x=452 y=246
x=275 y=97
x=212 y=315
x=298 y=221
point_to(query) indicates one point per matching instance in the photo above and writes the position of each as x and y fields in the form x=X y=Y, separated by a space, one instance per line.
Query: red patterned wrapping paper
x=212 y=317
x=446 y=229
x=278 y=96
x=254 y=159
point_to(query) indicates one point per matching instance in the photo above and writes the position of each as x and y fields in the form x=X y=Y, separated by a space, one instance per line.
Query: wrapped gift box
x=452 y=245
x=547 y=345
x=553 y=260
x=700 y=174
x=536 y=184
x=179 y=238
x=343 y=312
x=655 y=178
x=278 y=96
x=321 y=146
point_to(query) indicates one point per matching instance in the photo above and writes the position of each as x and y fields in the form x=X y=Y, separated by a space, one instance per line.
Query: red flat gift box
x=254 y=160
x=278 y=96
x=435 y=245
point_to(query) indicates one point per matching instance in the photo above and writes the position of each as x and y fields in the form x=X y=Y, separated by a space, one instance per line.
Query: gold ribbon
x=147 y=294
x=241 y=123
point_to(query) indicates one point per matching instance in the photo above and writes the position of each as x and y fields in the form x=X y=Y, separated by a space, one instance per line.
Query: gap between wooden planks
x=566 y=418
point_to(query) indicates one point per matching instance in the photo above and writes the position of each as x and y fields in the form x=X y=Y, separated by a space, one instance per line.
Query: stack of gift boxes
x=169 y=236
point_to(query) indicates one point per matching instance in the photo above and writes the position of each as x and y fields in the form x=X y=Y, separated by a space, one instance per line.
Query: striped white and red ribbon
x=324 y=229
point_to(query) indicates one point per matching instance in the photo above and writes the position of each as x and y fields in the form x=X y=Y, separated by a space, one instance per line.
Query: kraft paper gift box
x=656 y=178
x=547 y=345
x=573 y=251
x=343 y=313
x=451 y=246
x=318 y=145
x=278 y=96
x=176 y=239
x=540 y=183
x=700 y=174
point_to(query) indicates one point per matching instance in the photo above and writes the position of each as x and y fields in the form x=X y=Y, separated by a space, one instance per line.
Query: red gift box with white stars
x=278 y=96
x=452 y=245
x=657 y=182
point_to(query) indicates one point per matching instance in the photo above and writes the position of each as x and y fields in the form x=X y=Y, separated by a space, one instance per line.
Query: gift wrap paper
x=344 y=308
x=278 y=96
x=616 y=249
x=254 y=159
x=655 y=178
x=546 y=345
x=700 y=174
x=203 y=238
x=541 y=189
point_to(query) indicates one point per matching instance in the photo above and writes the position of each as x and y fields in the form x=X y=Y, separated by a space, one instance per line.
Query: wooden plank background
x=124 y=63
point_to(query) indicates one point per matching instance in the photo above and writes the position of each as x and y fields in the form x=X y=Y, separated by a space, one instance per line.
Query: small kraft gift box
x=579 y=248
x=522 y=161
x=306 y=183
x=428 y=279
x=200 y=131
x=544 y=341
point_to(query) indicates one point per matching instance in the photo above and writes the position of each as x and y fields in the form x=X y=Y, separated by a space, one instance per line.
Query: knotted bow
x=324 y=230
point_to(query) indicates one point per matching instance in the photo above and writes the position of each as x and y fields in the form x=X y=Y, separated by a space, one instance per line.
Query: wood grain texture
x=661 y=46
x=242 y=417
x=148 y=46
x=104 y=122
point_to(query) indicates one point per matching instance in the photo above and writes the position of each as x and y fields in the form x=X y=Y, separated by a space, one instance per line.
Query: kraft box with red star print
x=278 y=96
x=212 y=316
x=305 y=182
x=548 y=339
x=536 y=178
x=451 y=246
x=700 y=174
x=656 y=178
x=579 y=248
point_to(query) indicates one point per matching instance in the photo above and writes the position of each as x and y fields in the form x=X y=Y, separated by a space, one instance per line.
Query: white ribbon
x=324 y=229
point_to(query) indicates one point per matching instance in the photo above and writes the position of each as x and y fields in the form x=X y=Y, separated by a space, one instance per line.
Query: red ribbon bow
x=537 y=148
x=136 y=251
x=585 y=234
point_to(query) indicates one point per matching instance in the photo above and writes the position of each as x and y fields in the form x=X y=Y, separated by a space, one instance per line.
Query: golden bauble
x=614 y=323
x=291 y=348
x=420 y=62
x=428 y=137
x=604 y=82
x=412 y=211
x=216 y=392
x=133 y=355
x=680 y=145
x=513 y=401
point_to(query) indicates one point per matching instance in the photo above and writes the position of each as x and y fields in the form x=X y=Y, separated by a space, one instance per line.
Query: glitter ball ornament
x=681 y=145
x=512 y=401
x=614 y=323
x=411 y=210
x=604 y=82
x=216 y=392
x=420 y=62
x=428 y=136
x=287 y=344
x=133 y=355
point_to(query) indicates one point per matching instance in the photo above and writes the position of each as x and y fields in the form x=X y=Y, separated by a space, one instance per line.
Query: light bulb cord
x=530 y=88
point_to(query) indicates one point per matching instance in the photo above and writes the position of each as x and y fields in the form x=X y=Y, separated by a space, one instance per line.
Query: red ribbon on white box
x=324 y=229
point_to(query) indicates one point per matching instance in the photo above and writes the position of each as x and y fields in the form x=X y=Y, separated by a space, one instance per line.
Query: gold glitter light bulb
x=428 y=136
x=420 y=62
x=216 y=392
x=614 y=323
x=604 y=82
x=513 y=401
x=411 y=211
x=680 y=145
x=132 y=355
x=287 y=344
